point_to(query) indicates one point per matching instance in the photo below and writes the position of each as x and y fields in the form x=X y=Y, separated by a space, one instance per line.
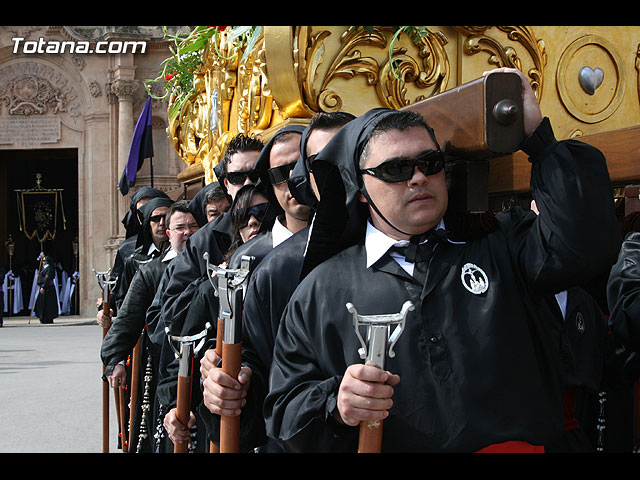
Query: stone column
x=125 y=91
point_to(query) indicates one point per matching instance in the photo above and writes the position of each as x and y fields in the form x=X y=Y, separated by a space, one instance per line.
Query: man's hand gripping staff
x=230 y=287
x=107 y=286
x=377 y=346
x=188 y=347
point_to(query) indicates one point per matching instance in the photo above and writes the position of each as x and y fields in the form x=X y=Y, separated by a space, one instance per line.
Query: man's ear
x=362 y=198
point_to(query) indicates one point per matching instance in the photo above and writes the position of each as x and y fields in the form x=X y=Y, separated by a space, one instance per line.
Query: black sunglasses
x=238 y=177
x=280 y=174
x=156 y=218
x=401 y=169
x=257 y=211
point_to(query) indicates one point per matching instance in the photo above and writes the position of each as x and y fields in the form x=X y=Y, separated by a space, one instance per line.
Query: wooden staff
x=230 y=288
x=122 y=399
x=135 y=384
x=105 y=405
x=106 y=285
x=231 y=362
x=213 y=448
x=185 y=355
x=378 y=346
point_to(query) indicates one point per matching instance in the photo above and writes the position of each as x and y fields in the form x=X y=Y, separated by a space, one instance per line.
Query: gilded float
x=292 y=72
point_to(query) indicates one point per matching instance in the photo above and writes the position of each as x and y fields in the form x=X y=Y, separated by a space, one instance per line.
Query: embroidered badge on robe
x=580 y=324
x=474 y=279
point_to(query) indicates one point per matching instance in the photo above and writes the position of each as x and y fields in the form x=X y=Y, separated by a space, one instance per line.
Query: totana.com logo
x=20 y=45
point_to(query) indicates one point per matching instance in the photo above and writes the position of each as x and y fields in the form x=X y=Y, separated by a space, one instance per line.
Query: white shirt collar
x=376 y=244
x=279 y=233
x=152 y=248
x=170 y=255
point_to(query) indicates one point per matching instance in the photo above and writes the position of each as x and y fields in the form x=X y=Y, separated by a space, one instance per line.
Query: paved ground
x=50 y=387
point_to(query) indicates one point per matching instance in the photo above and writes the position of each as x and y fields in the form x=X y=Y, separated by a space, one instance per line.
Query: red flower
x=169 y=76
x=219 y=28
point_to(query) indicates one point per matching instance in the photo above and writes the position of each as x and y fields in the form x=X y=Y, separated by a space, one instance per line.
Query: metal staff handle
x=230 y=288
x=189 y=346
x=106 y=286
x=378 y=345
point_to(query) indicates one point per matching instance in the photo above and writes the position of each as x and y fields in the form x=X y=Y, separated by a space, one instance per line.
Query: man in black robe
x=130 y=323
x=271 y=284
x=189 y=270
x=475 y=367
x=47 y=302
x=209 y=203
x=152 y=240
x=131 y=222
x=620 y=432
x=285 y=217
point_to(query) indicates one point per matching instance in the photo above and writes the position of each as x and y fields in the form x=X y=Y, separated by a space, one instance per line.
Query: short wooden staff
x=378 y=345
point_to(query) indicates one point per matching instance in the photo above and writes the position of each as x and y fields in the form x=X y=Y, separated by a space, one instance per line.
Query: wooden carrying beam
x=479 y=119
x=621 y=148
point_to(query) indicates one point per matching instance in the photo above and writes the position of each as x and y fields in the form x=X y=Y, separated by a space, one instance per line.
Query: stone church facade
x=81 y=90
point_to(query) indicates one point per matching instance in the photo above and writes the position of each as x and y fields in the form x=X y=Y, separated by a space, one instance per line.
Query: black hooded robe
x=129 y=327
x=46 y=307
x=476 y=369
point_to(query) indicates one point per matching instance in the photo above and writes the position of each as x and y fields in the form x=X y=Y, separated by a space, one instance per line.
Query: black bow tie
x=418 y=251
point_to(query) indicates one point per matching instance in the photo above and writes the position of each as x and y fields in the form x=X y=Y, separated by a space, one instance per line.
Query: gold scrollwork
x=637 y=63
x=284 y=78
x=351 y=60
x=506 y=56
x=232 y=97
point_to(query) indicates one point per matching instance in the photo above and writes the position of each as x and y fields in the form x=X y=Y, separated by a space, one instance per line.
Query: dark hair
x=285 y=137
x=214 y=194
x=179 y=206
x=398 y=120
x=241 y=143
x=329 y=120
x=239 y=214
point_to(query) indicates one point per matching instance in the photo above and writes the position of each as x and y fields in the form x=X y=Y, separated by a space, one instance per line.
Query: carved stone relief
x=35 y=99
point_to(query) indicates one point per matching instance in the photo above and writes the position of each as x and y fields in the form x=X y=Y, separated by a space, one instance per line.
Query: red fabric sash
x=512 y=447
x=570 y=421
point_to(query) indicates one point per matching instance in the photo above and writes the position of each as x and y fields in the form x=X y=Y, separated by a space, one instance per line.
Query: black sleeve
x=576 y=235
x=623 y=294
x=128 y=325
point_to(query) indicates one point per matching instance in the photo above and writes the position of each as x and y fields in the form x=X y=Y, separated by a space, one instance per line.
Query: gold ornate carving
x=292 y=73
x=637 y=64
x=430 y=70
x=505 y=55
x=232 y=96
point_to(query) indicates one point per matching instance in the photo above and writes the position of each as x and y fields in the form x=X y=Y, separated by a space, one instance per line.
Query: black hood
x=198 y=204
x=130 y=220
x=262 y=166
x=219 y=172
x=299 y=183
x=340 y=219
x=144 y=217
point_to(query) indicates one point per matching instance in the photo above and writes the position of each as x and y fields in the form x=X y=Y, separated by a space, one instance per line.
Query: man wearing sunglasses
x=239 y=164
x=214 y=237
x=180 y=224
x=475 y=367
x=282 y=218
x=272 y=283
